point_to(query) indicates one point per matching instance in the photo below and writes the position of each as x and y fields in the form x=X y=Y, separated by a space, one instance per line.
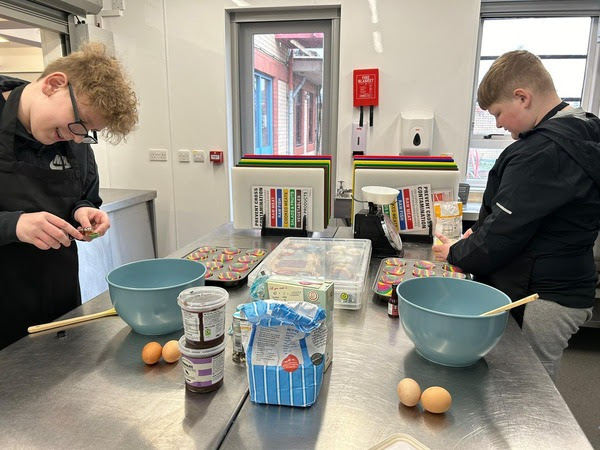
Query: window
x=292 y=54
x=298 y=119
x=263 y=114
x=310 y=119
x=571 y=62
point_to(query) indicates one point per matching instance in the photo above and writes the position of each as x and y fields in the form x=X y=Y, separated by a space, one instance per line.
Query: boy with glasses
x=49 y=179
x=541 y=207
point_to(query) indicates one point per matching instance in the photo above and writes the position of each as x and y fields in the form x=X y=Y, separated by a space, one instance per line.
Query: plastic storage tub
x=343 y=261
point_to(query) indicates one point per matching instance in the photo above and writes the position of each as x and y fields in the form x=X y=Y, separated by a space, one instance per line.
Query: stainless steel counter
x=132 y=237
x=90 y=389
x=115 y=199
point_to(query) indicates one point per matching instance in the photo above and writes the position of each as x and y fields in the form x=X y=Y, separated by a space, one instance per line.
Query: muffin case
x=227 y=266
x=395 y=270
x=343 y=261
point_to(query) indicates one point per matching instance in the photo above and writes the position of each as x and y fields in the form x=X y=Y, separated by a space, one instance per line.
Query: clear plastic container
x=343 y=261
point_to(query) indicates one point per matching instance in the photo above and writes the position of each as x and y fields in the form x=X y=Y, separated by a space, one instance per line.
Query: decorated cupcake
x=394 y=270
x=383 y=288
x=448 y=274
x=229 y=276
x=421 y=273
x=394 y=262
x=424 y=265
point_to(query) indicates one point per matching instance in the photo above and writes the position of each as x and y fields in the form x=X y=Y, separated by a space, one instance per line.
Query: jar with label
x=203 y=312
x=241 y=330
x=203 y=369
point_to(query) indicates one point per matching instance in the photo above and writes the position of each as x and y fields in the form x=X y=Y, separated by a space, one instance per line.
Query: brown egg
x=409 y=392
x=170 y=352
x=436 y=400
x=151 y=353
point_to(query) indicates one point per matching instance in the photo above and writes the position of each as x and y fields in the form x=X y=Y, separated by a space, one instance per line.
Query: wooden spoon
x=62 y=323
x=512 y=305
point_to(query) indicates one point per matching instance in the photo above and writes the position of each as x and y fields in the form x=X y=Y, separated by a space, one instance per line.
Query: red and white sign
x=366 y=87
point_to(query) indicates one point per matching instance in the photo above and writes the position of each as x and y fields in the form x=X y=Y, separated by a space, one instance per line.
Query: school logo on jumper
x=60 y=163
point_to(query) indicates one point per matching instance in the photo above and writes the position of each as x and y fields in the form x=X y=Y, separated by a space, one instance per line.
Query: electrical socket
x=158 y=154
x=198 y=155
x=184 y=155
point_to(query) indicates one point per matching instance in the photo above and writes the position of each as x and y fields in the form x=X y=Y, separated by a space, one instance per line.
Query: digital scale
x=373 y=224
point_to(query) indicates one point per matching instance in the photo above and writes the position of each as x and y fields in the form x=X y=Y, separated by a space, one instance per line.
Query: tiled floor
x=579 y=381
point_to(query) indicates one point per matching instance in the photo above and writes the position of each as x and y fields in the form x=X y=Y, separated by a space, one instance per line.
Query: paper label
x=191 y=325
x=201 y=372
x=272 y=345
x=283 y=207
x=214 y=324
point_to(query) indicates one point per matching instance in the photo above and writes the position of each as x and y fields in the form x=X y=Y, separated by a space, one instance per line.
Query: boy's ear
x=53 y=83
x=523 y=96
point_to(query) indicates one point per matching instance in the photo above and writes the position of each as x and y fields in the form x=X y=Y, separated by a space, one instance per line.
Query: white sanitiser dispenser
x=416 y=132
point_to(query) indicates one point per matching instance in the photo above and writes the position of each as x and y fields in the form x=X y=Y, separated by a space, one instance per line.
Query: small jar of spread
x=241 y=329
x=203 y=312
x=203 y=369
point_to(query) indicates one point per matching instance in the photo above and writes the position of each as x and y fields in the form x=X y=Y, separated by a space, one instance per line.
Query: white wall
x=21 y=61
x=175 y=51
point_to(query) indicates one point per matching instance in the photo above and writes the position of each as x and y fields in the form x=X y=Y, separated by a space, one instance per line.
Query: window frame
x=258 y=21
x=494 y=9
x=268 y=148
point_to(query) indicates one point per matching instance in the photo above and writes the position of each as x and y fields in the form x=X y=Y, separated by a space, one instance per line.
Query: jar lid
x=202 y=298
x=199 y=352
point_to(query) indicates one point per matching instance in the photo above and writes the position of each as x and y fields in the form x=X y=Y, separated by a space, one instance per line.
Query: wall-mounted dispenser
x=416 y=132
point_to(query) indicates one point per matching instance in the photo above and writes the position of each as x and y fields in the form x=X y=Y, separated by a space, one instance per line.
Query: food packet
x=448 y=220
x=285 y=352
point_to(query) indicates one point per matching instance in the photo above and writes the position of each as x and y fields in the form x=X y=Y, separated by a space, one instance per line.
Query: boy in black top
x=49 y=180
x=540 y=213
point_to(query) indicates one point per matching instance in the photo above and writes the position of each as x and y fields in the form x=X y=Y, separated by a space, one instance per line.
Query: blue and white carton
x=285 y=352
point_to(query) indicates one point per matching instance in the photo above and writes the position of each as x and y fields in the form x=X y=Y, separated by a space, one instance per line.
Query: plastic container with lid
x=203 y=369
x=343 y=261
x=203 y=312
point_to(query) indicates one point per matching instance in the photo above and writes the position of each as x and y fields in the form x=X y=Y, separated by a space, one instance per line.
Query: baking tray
x=395 y=270
x=227 y=266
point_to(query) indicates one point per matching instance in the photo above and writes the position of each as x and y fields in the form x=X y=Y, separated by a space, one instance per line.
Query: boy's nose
x=78 y=139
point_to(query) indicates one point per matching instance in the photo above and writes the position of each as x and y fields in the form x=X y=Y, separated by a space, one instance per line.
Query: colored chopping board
x=243 y=178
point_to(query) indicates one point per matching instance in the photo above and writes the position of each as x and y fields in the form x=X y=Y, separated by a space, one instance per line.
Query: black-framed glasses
x=77 y=127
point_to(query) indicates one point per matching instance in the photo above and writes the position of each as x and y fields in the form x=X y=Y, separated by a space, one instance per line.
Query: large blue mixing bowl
x=441 y=317
x=144 y=293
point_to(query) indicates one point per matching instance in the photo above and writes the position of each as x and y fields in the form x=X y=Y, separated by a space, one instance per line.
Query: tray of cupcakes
x=395 y=270
x=227 y=266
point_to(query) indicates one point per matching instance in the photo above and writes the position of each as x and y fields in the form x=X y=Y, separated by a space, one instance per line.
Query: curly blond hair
x=513 y=70
x=101 y=78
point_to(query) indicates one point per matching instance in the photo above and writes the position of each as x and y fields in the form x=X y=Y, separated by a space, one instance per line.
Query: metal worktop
x=506 y=400
x=115 y=199
x=90 y=389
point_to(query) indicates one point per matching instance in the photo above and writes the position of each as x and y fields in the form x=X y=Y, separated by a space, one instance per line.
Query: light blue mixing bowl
x=144 y=293
x=441 y=317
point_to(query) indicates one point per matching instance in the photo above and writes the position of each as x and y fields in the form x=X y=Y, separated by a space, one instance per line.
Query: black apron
x=36 y=286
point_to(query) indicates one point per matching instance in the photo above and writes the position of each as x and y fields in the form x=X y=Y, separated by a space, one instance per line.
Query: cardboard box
x=318 y=293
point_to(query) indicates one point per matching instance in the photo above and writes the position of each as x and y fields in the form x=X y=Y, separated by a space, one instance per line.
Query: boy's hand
x=92 y=218
x=440 y=251
x=45 y=230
